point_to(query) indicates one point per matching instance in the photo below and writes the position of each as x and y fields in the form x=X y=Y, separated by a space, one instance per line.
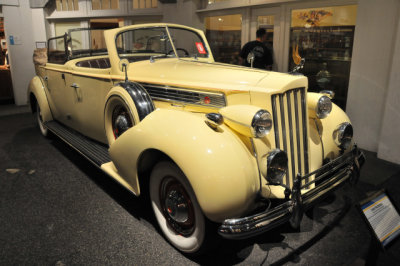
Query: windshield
x=86 y=42
x=156 y=41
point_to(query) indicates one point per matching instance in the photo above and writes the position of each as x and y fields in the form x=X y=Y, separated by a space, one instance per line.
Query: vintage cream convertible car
x=210 y=143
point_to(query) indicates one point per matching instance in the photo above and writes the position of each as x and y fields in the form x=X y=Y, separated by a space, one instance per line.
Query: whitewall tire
x=42 y=127
x=176 y=208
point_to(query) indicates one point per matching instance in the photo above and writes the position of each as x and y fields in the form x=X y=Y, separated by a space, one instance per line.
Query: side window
x=57 y=50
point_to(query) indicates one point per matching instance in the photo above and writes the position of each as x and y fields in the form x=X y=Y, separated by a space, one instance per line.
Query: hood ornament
x=297 y=60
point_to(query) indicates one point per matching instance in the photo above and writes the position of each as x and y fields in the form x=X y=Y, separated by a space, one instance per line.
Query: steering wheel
x=180 y=49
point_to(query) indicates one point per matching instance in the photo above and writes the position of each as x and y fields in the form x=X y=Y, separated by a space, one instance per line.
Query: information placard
x=383 y=217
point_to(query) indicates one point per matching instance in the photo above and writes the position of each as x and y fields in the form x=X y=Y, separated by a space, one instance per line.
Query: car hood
x=209 y=76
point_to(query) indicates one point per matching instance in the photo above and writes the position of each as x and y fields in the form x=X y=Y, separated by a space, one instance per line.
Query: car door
x=58 y=74
x=91 y=81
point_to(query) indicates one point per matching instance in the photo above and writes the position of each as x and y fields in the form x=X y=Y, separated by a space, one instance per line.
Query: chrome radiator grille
x=290 y=128
x=173 y=94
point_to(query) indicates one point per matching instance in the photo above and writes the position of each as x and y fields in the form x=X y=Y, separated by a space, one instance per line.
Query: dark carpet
x=56 y=208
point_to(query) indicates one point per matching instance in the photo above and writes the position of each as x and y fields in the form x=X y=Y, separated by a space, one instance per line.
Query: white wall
x=183 y=12
x=29 y=25
x=18 y=23
x=371 y=68
x=38 y=25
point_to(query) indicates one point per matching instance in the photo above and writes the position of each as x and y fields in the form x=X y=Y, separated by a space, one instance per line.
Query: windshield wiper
x=153 y=57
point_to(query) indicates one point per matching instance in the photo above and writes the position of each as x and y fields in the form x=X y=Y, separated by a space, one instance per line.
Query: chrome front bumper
x=330 y=176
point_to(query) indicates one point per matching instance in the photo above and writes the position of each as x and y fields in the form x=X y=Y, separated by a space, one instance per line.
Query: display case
x=324 y=38
x=224 y=37
x=327 y=51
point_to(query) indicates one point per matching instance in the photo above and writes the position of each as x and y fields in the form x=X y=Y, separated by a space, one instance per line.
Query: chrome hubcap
x=121 y=121
x=177 y=206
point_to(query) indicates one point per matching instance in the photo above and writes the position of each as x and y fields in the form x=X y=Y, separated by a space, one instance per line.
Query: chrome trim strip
x=296 y=109
x=289 y=105
x=175 y=94
x=305 y=126
x=237 y=122
x=240 y=228
x=283 y=125
x=275 y=118
x=258 y=164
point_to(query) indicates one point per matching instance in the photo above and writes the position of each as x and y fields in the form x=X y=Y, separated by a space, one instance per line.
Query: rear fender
x=37 y=89
x=220 y=168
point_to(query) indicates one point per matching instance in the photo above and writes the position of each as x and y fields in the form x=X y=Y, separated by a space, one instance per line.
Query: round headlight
x=261 y=124
x=343 y=135
x=324 y=107
x=277 y=165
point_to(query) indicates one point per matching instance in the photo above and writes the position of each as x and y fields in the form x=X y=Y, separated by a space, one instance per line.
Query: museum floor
x=58 y=209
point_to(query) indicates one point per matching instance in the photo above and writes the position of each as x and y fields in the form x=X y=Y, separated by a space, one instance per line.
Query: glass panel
x=64 y=5
x=224 y=36
x=114 y=4
x=155 y=42
x=58 y=5
x=105 y=4
x=142 y=4
x=70 y=5
x=56 y=50
x=267 y=23
x=187 y=43
x=87 y=42
x=96 y=4
x=135 y=4
x=324 y=37
x=67 y=5
x=62 y=27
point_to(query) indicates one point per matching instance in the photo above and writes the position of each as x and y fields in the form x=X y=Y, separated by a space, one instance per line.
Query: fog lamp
x=277 y=165
x=343 y=135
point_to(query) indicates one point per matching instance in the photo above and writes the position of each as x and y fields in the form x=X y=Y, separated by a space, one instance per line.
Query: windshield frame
x=167 y=29
x=88 y=52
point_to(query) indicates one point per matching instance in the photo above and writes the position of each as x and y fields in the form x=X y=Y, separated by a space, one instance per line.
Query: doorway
x=6 y=88
x=269 y=19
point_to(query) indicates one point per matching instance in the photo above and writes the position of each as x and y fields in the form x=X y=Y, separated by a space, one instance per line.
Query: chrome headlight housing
x=277 y=165
x=343 y=135
x=261 y=123
x=324 y=107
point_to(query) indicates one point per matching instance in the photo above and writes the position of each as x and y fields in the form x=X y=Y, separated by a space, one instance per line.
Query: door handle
x=74 y=85
x=77 y=92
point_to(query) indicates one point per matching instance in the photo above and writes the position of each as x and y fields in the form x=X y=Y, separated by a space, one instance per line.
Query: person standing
x=257 y=52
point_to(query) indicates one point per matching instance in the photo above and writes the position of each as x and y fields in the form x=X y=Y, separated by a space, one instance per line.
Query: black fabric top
x=262 y=55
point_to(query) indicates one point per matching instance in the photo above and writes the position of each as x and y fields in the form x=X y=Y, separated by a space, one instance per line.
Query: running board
x=95 y=152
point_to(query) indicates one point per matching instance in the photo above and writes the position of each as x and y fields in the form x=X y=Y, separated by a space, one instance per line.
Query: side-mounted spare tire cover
x=127 y=105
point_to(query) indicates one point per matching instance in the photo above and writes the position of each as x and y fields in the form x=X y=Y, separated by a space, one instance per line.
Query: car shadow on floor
x=229 y=251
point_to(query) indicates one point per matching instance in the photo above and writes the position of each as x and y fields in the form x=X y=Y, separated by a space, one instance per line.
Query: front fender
x=322 y=129
x=220 y=168
x=36 y=88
